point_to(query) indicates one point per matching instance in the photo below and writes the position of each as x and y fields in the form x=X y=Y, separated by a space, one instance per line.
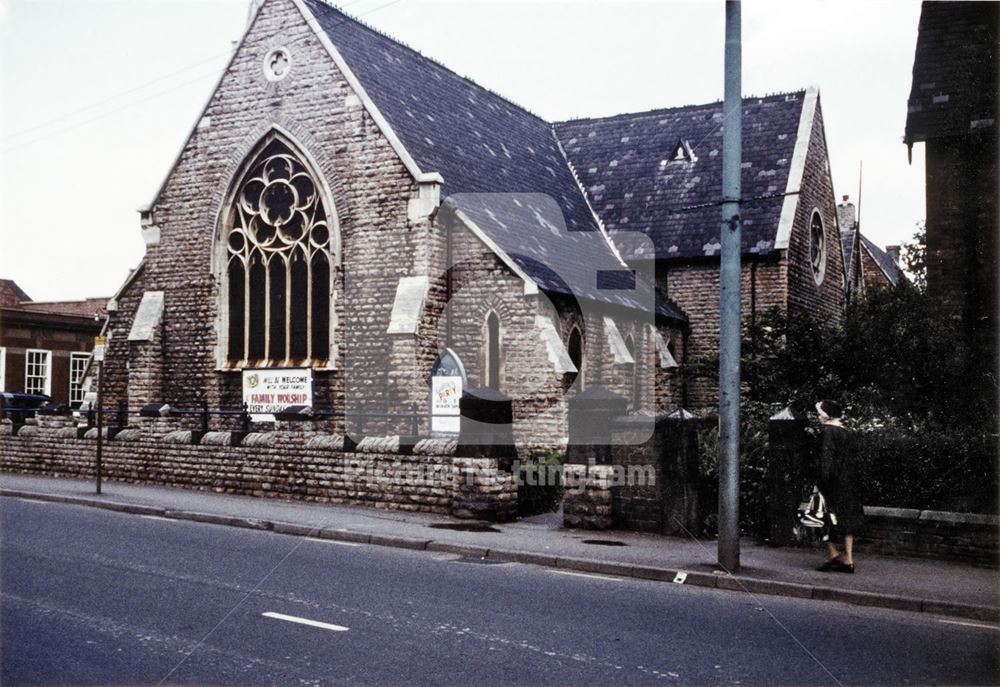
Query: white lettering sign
x=445 y=394
x=268 y=391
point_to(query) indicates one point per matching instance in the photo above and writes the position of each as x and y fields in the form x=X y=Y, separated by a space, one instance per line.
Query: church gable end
x=283 y=86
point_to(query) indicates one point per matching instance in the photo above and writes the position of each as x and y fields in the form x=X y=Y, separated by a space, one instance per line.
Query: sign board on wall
x=445 y=393
x=266 y=391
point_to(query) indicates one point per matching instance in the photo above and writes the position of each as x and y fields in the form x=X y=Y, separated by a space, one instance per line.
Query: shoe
x=843 y=568
x=830 y=565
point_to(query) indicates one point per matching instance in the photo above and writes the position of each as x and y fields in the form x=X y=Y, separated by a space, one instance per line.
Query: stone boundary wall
x=309 y=466
x=965 y=537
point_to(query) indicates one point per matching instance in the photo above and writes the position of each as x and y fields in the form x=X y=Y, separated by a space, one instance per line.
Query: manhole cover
x=604 y=542
x=465 y=526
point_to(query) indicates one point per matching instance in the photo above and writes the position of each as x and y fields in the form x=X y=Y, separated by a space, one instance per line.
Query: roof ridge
x=365 y=25
x=661 y=110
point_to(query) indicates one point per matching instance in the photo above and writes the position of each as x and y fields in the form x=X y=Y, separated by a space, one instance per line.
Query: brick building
x=866 y=265
x=660 y=173
x=952 y=110
x=347 y=205
x=45 y=346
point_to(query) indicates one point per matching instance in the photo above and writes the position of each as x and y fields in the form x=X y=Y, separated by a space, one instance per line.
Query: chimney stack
x=893 y=252
x=847 y=215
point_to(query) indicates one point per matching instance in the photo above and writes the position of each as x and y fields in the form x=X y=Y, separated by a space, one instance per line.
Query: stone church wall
x=370 y=191
x=296 y=465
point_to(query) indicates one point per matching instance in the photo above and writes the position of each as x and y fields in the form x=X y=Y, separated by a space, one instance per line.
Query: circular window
x=276 y=64
x=817 y=247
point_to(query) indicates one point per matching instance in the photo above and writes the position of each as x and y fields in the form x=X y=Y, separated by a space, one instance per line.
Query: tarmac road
x=94 y=597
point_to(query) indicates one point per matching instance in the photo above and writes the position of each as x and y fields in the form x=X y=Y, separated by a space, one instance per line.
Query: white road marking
x=334 y=541
x=305 y=621
x=966 y=624
x=580 y=574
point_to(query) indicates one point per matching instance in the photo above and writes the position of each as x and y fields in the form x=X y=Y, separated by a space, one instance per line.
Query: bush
x=929 y=470
x=534 y=496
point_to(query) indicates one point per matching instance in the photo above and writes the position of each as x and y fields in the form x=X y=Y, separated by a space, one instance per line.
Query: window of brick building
x=77 y=366
x=38 y=372
x=492 y=366
x=634 y=372
x=279 y=275
x=574 y=346
x=817 y=247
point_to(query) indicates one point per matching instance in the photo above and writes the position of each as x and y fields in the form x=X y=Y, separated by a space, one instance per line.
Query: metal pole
x=100 y=419
x=729 y=300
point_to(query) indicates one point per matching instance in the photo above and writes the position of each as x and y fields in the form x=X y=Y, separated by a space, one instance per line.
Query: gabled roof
x=847 y=241
x=883 y=260
x=625 y=164
x=954 y=89
x=481 y=143
x=11 y=287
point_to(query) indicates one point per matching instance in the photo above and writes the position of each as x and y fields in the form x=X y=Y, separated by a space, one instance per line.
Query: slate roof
x=847 y=250
x=482 y=143
x=86 y=307
x=954 y=88
x=625 y=164
x=883 y=260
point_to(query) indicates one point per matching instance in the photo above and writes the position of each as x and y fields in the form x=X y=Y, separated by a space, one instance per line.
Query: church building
x=351 y=210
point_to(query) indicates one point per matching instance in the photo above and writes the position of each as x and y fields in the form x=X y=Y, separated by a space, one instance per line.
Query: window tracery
x=279 y=276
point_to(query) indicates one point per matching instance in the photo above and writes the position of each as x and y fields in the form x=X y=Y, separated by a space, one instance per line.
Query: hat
x=830 y=408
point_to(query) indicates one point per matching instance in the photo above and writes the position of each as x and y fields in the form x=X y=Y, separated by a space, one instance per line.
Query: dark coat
x=838 y=479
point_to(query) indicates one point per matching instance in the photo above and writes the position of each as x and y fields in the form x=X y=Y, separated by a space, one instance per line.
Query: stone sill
x=933 y=516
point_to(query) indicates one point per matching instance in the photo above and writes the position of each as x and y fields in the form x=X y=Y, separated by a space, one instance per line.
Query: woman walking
x=838 y=482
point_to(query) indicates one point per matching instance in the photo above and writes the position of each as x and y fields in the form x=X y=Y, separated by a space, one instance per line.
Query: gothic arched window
x=575 y=350
x=279 y=275
x=492 y=367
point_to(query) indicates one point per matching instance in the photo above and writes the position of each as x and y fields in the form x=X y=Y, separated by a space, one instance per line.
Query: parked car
x=19 y=407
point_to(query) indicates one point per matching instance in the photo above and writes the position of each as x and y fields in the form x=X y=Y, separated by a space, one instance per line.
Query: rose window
x=279 y=276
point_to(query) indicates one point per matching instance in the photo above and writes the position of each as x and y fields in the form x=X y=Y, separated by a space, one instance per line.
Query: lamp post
x=729 y=299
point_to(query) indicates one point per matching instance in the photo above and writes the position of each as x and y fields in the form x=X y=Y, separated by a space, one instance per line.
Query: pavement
x=918 y=585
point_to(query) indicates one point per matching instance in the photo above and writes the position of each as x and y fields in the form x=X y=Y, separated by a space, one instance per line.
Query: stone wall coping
x=960 y=518
x=258 y=439
x=435 y=447
x=128 y=435
x=181 y=436
x=217 y=439
x=933 y=516
x=389 y=444
x=326 y=442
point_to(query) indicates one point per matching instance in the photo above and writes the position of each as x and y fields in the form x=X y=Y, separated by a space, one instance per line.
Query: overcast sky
x=99 y=95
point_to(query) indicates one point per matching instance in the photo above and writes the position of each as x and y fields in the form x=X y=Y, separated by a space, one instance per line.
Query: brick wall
x=804 y=294
x=874 y=277
x=695 y=288
x=962 y=239
x=966 y=537
x=17 y=337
